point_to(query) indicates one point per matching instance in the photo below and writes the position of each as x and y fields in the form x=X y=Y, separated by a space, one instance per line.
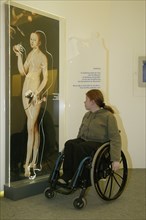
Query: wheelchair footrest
x=65 y=191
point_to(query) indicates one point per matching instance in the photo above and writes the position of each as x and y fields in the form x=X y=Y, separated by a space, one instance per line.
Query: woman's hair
x=43 y=41
x=97 y=96
x=43 y=44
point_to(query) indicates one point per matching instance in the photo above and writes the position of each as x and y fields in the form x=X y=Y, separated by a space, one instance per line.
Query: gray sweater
x=101 y=126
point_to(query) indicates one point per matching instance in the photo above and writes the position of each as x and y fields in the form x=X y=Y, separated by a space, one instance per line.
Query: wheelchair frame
x=108 y=184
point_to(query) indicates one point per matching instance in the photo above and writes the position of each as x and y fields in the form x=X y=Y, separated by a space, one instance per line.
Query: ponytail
x=107 y=107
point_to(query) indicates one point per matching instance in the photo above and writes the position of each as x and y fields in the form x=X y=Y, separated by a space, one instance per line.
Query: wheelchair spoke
x=118 y=175
x=109 y=183
x=111 y=186
x=117 y=180
x=106 y=187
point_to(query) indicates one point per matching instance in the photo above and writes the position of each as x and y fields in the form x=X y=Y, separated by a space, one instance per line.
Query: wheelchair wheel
x=79 y=203
x=49 y=193
x=108 y=183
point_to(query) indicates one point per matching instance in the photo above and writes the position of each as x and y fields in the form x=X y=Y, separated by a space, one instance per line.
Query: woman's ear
x=93 y=102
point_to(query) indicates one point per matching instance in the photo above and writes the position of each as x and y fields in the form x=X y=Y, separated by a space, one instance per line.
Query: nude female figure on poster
x=35 y=71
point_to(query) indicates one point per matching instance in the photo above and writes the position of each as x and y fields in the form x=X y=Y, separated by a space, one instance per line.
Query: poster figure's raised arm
x=23 y=68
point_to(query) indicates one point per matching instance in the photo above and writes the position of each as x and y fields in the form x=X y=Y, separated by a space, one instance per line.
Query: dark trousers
x=76 y=150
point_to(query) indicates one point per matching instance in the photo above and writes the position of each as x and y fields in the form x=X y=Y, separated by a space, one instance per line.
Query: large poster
x=32 y=77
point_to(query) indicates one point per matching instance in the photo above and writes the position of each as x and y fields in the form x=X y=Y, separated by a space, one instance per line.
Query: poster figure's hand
x=34 y=97
x=30 y=95
x=18 y=49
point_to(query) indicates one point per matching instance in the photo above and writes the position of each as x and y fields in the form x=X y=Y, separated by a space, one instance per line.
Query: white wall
x=122 y=25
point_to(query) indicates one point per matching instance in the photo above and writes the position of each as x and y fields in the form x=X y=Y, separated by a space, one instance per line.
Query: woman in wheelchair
x=93 y=158
x=98 y=126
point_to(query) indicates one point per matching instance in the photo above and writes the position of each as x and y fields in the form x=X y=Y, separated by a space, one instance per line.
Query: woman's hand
x=115 y=165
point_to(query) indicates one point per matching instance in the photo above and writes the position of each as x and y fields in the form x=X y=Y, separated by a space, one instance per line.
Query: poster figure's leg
x=33 y=141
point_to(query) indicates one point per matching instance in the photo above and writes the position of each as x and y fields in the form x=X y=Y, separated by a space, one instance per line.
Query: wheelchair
x=107 y=183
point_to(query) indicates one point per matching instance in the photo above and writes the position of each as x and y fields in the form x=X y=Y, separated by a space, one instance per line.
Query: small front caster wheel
x=79 y=203
x=49 y=193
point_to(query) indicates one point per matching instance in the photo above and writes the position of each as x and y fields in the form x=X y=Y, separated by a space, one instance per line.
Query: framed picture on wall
x=142 y=71
x=34 y=69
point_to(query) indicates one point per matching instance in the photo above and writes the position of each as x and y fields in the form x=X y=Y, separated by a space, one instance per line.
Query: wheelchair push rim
x=108 y=184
